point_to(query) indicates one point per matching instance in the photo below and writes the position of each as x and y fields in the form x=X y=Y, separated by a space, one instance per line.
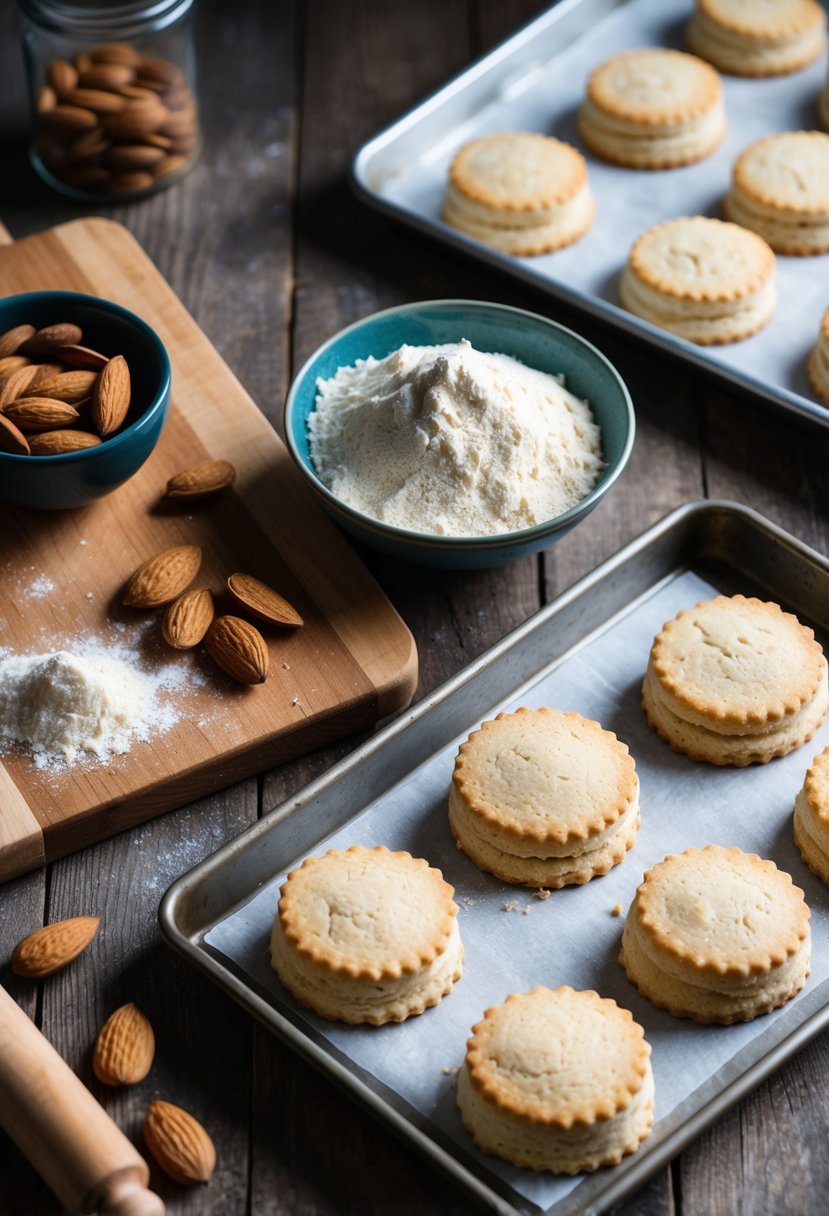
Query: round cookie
x=717 y=935
x=519 y=192
x=702 y=279
x=544 y=798
x=757 y=37
x=780 y=189
x=653 y=109
x=811 y=817
x=367 y=935
x=558 y=1080
x=818 y=364
x=735 y=681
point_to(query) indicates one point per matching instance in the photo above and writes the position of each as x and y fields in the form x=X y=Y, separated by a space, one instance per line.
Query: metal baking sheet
x=535 y=81
x=392 y=790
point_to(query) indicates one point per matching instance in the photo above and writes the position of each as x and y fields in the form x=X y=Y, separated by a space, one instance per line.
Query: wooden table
x=268 y=249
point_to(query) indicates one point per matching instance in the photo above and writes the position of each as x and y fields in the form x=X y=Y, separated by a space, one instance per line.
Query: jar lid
x=101 y=17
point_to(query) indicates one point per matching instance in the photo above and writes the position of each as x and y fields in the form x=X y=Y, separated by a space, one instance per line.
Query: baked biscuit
x=519 y=192
x=757 y=37
x=544 y=798
x=653 y=109
x=717 y=935
x=702 y=279
x=735 y=681
x=818 y=365
x=811 y=817
x=558 y=1080
x=366 y=935
x=780 y=189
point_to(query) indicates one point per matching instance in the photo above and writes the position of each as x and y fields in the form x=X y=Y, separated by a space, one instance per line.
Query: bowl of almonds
x=84 y=390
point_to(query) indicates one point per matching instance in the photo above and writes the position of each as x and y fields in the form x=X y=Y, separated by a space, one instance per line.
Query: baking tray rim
x=799 y=408
x=191 y=944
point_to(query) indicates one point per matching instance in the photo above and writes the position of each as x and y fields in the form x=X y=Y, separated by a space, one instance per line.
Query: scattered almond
x=53 y=946
x=12 y=438
x=110 y=396
x=239 y=649
x=13 y=339
x=58 y=443
x=262 y=601
x=188 y=619
x=51 y=338
x=41 y=414
x=125 y=1047
x=67 y=386
x=179 y=1143
x=163 y=577
x=199 y=482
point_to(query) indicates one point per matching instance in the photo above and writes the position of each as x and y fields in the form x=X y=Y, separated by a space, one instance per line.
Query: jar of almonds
x=113 y=94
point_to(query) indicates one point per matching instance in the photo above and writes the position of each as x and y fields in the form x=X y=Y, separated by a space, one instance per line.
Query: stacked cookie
x=367 y=935
x=653 y=109
x=520 y=193
x=559 y=1080
x=544 y=798
x=818 y=365
x=747 y=38
x=704 y=280
x=811 y=817
x=780 y=189
x=717 y=935
x=735 y=681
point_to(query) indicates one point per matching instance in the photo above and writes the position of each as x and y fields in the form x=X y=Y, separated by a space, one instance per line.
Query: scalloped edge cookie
x=744 y=39
x=811 y=817
x=780 y=190
x=818 y=362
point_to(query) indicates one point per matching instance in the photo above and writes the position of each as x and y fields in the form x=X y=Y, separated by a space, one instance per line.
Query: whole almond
x=47 y=99
x=179 y=1143
x=48 y=341
x=202 y=480
x=12 y=438
x=115 y=52
x=99 y=101
x=188 y=619
x=36 y=414
x=15 y=384
x=163 y=577
x=68 y=120
x=58 y=443
x=45 y=371
x=67 y=386
x=132 y=156
x=13 y=339
x=62 y=76
x=53 y=946
x=110 y=396
x=262 y=601
x=13 y=363
x=110 y=76
x=238 y=648
x=124 y=1048
x=82 y=357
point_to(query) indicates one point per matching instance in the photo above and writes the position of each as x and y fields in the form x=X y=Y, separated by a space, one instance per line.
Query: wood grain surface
x=271 y=253
x=351 y=662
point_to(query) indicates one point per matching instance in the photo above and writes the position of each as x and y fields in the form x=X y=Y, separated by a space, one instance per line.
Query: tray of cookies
x=610 y=155
x=531 y=924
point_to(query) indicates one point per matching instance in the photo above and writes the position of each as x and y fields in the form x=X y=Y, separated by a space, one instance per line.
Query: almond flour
x=449 y=441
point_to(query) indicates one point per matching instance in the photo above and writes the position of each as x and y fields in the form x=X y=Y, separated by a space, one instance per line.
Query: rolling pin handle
x=124 y=1194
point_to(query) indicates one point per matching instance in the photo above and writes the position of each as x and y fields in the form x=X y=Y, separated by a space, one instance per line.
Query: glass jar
x=113 y=94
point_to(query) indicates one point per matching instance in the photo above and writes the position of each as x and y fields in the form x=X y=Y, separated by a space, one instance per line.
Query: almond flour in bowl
x=448 y=441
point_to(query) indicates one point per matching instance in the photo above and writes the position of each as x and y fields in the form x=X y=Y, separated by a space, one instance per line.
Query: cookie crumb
x=510 y=905
x=616 y=910
x=542 y=893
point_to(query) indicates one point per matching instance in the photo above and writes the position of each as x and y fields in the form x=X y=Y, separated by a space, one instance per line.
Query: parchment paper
x=572 y=937
x=629 y=201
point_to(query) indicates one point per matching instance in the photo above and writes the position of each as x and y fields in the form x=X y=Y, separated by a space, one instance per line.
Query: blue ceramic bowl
x=493 y=328
x=76 y=478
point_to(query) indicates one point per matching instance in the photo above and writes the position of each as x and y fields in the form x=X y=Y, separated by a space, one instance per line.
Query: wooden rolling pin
x=68 y=1136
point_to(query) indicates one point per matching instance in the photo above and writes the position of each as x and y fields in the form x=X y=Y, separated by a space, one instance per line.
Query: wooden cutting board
x=62 y=572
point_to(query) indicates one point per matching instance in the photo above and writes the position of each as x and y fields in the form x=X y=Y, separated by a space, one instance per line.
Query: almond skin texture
x=188 y=619
x=111 y=396
x=125 y=1047
x=238 y=648
x=262 y=601
x=179 y=1144
x=205 y=479
x=41 y=414
x=13 y=339
x=51 y=338
x=12 y=438
x=163 y=577
x=82 y=357
x=67 y=386
x=12 y=363
x=16 y=384
x=53 y=946
x=56 y=443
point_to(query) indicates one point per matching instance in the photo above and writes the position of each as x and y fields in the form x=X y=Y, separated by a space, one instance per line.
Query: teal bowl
x=495 y=329
x=74 y=479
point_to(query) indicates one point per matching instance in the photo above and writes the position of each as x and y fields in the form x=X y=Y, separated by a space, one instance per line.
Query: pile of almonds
x=124 y=1052
x=112 y=121
x=57 y=395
